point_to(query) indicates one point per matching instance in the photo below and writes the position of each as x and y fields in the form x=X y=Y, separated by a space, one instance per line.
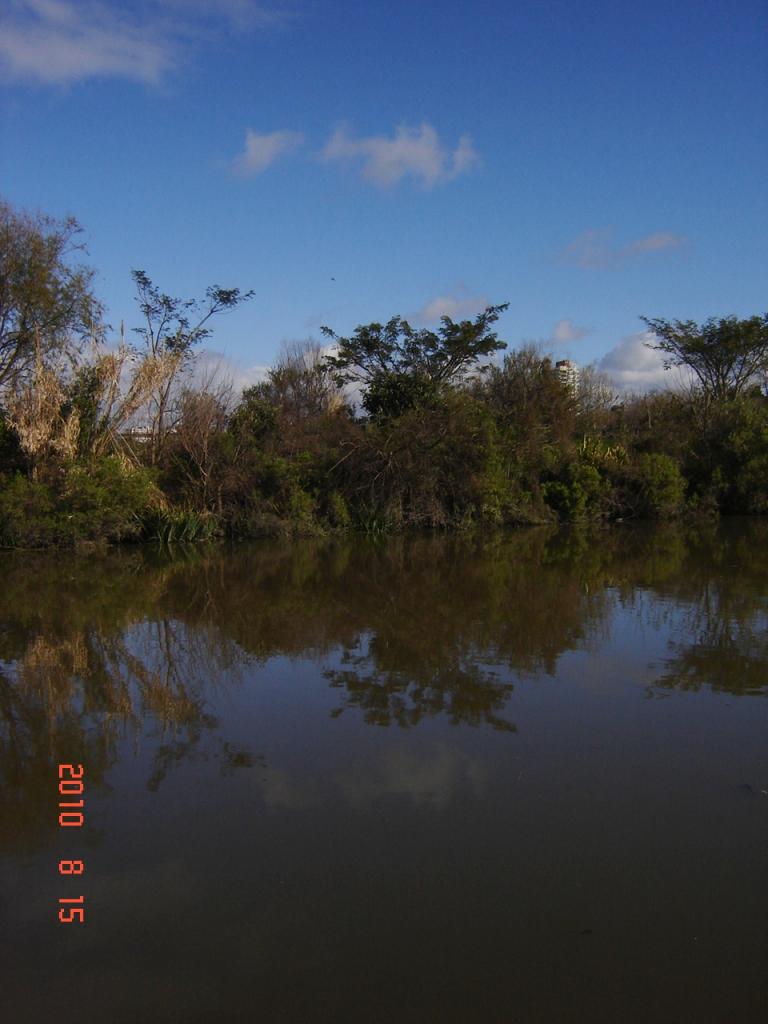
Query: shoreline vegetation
x=106 y=440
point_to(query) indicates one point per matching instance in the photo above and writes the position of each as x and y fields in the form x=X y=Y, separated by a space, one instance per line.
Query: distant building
x=568 y=373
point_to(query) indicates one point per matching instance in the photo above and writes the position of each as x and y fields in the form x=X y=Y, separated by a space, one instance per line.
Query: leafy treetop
x=443 y=356
x=174 y=325
x=399 y=367
x=47 y=303
x=726 y=355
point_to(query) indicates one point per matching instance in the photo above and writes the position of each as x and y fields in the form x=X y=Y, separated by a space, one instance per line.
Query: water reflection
x=407 y=781
x=94 y=650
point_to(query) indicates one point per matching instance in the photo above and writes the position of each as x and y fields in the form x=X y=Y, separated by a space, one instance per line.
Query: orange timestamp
x=71 y=815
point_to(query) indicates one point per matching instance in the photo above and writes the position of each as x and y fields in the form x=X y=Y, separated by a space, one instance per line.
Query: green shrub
x=104 y=501
x=578 y=494
x=182 y=526
x=751 y=486
x=28 y=514
x=108 y=500
x=301 y=510
x=661 y=486
x=338 y=513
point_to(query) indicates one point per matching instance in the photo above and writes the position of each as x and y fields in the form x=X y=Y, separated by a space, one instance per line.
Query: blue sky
x=586 y=162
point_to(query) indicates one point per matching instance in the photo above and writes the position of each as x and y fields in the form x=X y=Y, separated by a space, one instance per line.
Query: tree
x=172 y=327
x=529 y=399
x=301 y=385
x=44 y=293
x=726 y=355
x=595 y=395
x=398 y=367
x=254 y=418
x=202 y=421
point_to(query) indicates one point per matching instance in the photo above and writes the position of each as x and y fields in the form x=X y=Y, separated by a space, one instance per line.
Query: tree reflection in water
x=94 y=650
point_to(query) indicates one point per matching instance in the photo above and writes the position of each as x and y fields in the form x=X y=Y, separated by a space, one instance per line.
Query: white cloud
x=464 y=157
x=595 y=249
x=56 y=42
x=411 y=152
x=262 y=150
x=633 y=366
x=653 y=243
x=458 y=306
x=566 y=330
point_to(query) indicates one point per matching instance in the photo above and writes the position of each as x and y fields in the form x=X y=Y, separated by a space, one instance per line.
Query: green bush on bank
x=578 y=493
x=181 y=526
x=29 y=514
x=105 y=501
x=661 y=487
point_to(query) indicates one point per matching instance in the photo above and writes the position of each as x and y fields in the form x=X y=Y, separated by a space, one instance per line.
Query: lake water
x=522 y=778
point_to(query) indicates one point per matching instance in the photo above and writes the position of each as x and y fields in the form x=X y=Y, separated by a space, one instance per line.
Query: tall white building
x=568 y=372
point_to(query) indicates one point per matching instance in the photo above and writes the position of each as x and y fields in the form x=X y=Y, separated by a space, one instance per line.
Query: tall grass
x=183 y=526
